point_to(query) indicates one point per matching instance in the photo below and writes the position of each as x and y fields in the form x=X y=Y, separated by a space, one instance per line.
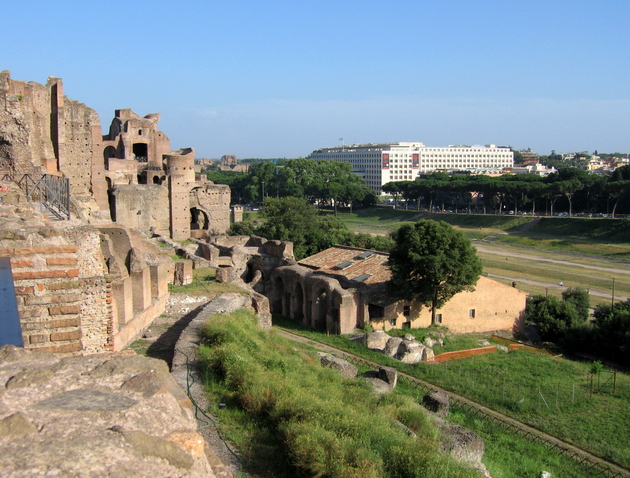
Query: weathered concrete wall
x=143 y=206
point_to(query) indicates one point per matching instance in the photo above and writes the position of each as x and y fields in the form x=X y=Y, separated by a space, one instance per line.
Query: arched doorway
x=321 y=309
x=199 y=219
x=278 y=293
x=109 y=152
x=297 y=307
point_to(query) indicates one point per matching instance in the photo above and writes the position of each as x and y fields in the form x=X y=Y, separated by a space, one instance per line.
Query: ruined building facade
x=94 y=282
x=129 y=175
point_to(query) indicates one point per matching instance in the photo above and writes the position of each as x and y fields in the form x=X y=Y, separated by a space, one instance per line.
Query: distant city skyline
x=277 y=79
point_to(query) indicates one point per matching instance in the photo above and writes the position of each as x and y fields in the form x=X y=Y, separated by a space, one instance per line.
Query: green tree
x=580 y=299
x=288 y=219
x=553 y=317
x=431 y=262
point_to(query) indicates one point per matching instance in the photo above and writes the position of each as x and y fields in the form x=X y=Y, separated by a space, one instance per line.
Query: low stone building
x=343 y=288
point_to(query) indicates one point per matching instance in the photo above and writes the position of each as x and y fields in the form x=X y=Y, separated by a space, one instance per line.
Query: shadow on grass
x=164 y=346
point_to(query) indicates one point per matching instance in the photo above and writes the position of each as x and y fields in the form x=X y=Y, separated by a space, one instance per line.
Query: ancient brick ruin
x=93 y=283
x=129 y=176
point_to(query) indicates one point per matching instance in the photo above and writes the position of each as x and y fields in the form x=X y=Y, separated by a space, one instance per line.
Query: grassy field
x=548 y=394
x=290 y=417
x=204 y=283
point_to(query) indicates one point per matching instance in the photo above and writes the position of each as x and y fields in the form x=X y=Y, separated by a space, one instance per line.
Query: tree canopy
x=294 y=219
x=431 y=262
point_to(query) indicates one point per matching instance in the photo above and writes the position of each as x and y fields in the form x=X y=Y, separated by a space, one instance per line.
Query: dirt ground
x=158 y=340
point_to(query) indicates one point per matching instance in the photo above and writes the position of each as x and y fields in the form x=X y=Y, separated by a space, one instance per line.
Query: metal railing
x=51 y=192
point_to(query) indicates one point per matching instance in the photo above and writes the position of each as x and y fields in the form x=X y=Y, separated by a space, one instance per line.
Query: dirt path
x=549 y=285
x=557 y=443
x=504 y=251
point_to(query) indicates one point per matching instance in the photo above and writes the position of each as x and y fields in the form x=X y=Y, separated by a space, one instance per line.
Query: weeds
x=308 y=420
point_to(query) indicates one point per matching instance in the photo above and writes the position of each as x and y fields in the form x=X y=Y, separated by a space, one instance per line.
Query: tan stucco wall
x=497 y=307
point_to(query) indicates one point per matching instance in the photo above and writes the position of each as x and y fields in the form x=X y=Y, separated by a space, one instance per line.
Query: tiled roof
x=334 y=261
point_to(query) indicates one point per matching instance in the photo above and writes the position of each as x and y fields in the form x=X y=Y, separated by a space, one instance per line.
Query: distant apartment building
x=378 y=164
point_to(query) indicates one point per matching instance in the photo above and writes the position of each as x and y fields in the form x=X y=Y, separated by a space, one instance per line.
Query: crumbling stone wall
x=79 y=289
x=42 y=131
x=249 y=259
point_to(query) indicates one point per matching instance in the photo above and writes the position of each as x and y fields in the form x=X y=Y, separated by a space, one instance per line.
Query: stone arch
x=277 y=295
x=320 y=308
x=108 y=152
x=297 y=305
x=199 y=219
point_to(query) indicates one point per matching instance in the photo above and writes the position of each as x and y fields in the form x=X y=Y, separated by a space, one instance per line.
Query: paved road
x=559 y=443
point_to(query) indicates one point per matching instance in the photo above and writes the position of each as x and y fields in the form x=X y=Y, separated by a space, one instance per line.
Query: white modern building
x=381 y=163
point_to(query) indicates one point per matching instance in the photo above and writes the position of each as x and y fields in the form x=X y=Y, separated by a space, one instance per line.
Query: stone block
x=69 y=348
x=183 y=272
x=45 y=274
x=123 y=310
x=376 y=340
x=391 y=347
x=389 y=375
x=52 y=299
x=61 y=336
x=55 y=324
x=161 y=274
x=141 y=288
x=345 y=368
x=45 y=250
x=25 y=290
x=61 y=261
x=437 y=402
x=38 y=338
x=64 y=285
x=30 y=313
x=65 y=310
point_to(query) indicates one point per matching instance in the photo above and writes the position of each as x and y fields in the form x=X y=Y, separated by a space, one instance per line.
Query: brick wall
x=59 y=311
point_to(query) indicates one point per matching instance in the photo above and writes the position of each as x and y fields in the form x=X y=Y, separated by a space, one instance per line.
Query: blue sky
x=282 y=78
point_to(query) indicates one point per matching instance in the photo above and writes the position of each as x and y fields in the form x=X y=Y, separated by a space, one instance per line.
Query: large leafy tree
x=431 y=262
x=294 y=219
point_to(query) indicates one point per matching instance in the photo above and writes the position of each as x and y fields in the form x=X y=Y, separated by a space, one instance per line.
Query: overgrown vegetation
x=204 y=283
x=549 y=394
x=292 y=418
